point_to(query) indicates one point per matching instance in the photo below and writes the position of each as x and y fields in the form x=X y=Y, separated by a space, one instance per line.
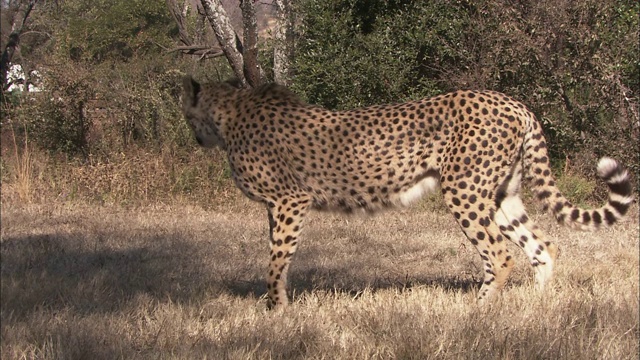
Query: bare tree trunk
x=252 y=70
x=192 y=45
x=242 y=56
x=179 y=14
x=227 y=37
x=14 y=39
x=201 y=25
x=283 y=50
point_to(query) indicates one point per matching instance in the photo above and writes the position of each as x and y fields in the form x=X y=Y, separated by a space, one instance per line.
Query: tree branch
x=14 y=40
x=202 y=50
x=226 y=36
x=179 y=16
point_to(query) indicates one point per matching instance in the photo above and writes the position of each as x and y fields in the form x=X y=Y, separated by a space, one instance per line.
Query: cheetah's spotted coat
x=474 y=145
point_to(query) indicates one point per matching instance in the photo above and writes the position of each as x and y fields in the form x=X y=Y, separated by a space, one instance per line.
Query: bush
x=575 y=64
x=349 y=55
x=55 y=119
x=138 y=105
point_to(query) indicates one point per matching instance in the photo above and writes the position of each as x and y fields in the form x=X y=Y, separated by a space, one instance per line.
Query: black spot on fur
x=620 y=207
x=623 y=188
x=610 y=217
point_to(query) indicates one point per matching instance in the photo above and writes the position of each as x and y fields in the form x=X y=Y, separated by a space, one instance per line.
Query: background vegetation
x=82 y=279
x=575 y=64
x=111 y=90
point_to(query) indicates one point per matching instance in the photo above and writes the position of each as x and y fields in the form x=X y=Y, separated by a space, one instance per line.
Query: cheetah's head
x=205 y=109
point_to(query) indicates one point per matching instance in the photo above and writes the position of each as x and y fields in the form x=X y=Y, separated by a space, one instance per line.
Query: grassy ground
x=102 y=282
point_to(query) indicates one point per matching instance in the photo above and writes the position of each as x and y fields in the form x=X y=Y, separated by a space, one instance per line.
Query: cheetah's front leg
x=285 y=223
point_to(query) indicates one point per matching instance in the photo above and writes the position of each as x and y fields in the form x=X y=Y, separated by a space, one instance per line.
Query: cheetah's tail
x=620 y=198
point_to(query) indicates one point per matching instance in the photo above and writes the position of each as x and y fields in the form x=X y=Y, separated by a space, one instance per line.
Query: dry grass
x=165 y=176
x=184 y=283
x=23 y=165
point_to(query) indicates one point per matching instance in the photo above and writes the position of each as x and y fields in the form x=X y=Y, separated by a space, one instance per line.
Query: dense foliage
x=575 y=64
x=109 y=82
x=111 y=85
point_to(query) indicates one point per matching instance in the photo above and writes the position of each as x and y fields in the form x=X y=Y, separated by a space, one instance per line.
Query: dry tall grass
x=165 y=176
x=23 y=165
x=184 y=283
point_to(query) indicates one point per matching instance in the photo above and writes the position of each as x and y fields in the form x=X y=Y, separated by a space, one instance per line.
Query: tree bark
x=201 y=25
x=241 y=55
x=191 y=44
x=252 y=70
x=227 y=37
x=283 y=49
x=13 y=42
x=179 y=15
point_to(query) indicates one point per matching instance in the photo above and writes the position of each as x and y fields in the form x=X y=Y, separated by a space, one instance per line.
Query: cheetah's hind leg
x=516 y=225
x=483 y=232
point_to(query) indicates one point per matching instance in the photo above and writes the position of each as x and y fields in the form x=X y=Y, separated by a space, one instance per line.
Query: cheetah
x=475 y=146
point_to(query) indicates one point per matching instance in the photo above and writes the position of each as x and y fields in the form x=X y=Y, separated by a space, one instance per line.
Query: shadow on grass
x=343 y=280
x=106 y=272
x=62 y=271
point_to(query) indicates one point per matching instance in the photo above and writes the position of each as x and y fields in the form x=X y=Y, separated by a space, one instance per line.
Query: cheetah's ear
x=191 y=90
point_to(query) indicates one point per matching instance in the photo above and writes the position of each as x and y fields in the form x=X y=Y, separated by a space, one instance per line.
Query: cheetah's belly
x=416 y=192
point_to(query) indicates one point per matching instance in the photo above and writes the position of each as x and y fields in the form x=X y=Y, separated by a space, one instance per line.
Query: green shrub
x=574 y=64
x=577 y=189
x=55 y=118
x=347 y=57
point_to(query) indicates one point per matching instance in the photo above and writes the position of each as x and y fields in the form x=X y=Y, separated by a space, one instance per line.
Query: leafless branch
x=227 y=37
x=37 y=32
x=14 y=39
x=202 y=50
x=179 y=15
